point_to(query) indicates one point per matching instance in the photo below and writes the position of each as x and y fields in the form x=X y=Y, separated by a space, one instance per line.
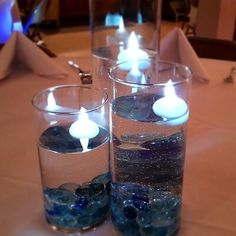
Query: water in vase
x=147 y=169
x=76 y=190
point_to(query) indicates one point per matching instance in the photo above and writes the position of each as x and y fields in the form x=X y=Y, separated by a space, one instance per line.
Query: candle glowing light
x=171 y=108
x=84 y=129
x=112 y=19
x=53 y=107
x=51 y=102
x=131 y=54
x=121 y=34
x=136 y=76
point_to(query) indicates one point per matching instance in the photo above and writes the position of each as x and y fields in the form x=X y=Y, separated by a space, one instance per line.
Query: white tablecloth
x=209 y=198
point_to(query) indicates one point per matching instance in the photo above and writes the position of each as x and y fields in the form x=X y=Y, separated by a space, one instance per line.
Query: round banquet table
x=209 y=197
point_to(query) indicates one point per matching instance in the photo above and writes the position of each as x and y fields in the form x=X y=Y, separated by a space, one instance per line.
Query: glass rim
x=75 y=112
x=171 y=63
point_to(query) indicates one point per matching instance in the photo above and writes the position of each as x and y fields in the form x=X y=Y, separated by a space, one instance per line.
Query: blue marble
x=142 y=210
x=137 y=107
x=76 y=207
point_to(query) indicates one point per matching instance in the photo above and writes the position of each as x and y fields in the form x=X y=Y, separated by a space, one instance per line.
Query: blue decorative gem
x=59 y=196
x=80 y=204
x=69 y=186
x=140 y=201
x=89 y=189
x=130 y=212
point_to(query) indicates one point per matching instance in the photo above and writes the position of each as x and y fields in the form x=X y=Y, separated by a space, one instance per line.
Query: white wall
x=216 y=19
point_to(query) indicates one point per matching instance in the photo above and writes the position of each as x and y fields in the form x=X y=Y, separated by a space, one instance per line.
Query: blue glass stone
x=72 y=206
x=68 y=222
x=145 y=211
x=103 y=200
x=144 y=219
x=140 y=201
x=84 y=221
x=98 y=188
x=53 y=219
x=58 y=138
x=137 y=107
x=147 y=231
x=80 y=203
x=133 y=189
x=61 y=210
x=130 y=212
x=59 y=196
x=161 y=231
x=52 y=211
x=92 y=208
x=174 y=206
x=90 y=189
x=69 y=186
x=131 y=228
x=102 y=179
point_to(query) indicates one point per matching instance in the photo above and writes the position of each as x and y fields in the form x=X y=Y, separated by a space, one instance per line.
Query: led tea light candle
x=131 y=54
x=112 y=19
x=173 y=109
x=84 y=129
x=53 y=107
x=121 y=33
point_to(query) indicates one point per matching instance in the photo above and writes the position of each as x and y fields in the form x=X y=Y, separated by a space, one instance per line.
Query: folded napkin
x=176 y=47
x=20 y=49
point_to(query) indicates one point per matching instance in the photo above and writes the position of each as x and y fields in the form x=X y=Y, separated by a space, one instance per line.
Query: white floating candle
x=52 y=106
x=84 y=128
x=171 y=108
x=131 y=54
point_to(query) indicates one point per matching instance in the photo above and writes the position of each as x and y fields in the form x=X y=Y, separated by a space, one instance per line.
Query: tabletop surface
x=209 y=197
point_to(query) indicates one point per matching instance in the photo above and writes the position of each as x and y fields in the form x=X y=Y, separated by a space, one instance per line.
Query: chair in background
x=31 y=28
x=181 y=10
x=214 y=48
x=192 y=24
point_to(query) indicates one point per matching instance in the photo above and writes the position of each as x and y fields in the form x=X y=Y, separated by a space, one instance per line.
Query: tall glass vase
x=112 y=23
x=149 y=114
x=73 y=148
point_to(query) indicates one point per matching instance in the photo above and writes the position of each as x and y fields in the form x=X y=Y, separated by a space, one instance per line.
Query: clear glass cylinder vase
x=149 y=114
x=73 y=149
x=113 y=22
